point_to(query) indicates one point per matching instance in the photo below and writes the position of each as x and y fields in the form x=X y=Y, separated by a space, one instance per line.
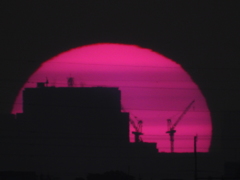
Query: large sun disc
x=153 y=89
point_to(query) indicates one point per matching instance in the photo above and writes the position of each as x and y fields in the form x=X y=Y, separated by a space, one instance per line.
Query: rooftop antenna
x=70 y=81
x=46 y=83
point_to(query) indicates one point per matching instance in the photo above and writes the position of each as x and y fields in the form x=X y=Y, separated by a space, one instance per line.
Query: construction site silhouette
x=72 y=131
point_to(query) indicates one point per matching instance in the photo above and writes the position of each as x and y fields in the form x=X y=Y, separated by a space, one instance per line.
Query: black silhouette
x=78 y=129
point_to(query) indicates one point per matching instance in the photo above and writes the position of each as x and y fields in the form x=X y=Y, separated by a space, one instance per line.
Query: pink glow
x=154 y=88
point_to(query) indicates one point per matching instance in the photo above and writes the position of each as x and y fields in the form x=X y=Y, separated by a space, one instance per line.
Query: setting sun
x=153 y=89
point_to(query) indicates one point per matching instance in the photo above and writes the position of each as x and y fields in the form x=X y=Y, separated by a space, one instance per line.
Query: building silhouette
x=15 y=175
x=69 y=132
x=66 y=130
x=92 y=113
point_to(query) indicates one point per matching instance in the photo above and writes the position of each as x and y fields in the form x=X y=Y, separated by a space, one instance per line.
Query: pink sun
x=153 y=88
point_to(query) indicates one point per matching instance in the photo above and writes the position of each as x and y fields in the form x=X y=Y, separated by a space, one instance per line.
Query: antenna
x=46 y=82
x=70 y=81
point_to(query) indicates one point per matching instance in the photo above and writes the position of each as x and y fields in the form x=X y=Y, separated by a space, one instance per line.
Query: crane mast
x=171 y=128
x=138 y=130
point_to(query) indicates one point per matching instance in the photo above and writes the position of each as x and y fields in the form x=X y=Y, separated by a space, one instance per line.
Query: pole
x=195 y=157
x=172 y=143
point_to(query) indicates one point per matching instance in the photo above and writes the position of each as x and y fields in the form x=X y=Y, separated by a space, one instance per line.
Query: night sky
x=202 y=36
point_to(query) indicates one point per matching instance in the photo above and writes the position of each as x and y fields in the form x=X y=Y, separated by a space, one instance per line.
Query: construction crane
x=171 y=128
x=138 y=130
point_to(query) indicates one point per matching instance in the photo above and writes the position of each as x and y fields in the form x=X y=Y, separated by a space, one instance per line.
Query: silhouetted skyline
x=70 y=127
x=153 y=89
x=71 y=131
x=203 y=37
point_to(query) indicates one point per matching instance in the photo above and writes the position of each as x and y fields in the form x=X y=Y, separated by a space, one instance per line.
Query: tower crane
x=138 y=130
x=171 y=128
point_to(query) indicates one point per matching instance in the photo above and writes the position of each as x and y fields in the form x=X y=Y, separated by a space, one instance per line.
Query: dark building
x=16 y=175
x=69 y=131
x=94 y=113
x=232 y=170
x=111 y=175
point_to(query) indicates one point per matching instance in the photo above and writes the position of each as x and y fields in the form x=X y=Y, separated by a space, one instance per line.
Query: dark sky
x=202 y=36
